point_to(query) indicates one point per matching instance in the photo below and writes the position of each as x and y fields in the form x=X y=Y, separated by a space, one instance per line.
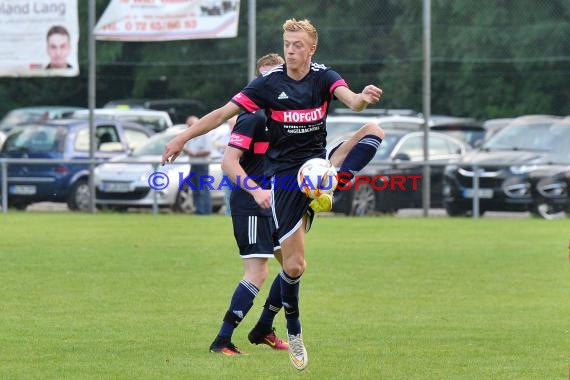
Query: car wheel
x=549 y=212
x=19 y=205
x=364 y=201
x=184 y=202
x=78 y=199
x=454 y=210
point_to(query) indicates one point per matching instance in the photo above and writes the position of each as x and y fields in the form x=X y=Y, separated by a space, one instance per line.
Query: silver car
x=126 y=181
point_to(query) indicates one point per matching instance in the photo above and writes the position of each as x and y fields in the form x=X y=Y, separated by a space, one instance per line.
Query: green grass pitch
x=139 y=296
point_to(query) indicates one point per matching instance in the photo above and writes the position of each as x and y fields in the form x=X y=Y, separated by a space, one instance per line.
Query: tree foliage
x=490 y=58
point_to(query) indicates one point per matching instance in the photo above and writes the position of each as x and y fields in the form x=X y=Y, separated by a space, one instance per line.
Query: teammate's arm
x=232 y=167
x=358 y=102
x=211 y=121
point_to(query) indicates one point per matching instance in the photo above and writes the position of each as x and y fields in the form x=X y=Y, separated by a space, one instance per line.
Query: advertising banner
x=164 y=20
x=38 y=38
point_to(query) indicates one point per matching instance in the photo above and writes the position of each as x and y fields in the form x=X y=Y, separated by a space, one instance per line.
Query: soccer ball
x=317 y=176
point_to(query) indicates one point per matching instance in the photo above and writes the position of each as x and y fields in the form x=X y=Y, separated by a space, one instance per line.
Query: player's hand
x=172 y=150
x=262 y=197
x=372 y=94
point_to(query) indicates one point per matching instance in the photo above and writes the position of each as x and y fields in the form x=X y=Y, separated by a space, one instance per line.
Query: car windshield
x=155 y=123
x=33 y=139
x=154 y=146
x=536 y=137
x=561 y=145
x=20 y=116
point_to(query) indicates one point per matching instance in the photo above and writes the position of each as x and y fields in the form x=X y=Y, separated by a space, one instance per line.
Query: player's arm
x=358 y=102
x=209 y=122
x=233 y=169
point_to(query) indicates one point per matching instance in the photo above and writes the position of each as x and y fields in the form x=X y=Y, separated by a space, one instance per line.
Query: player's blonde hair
x=293 y=25
x=271 y=59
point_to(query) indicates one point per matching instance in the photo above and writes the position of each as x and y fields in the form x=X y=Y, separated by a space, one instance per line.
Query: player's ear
x=312 y=49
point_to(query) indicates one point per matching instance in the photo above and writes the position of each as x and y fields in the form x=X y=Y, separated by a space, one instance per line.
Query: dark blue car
x=62 y=139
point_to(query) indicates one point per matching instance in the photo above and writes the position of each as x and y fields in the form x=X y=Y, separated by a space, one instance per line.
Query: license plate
x=116 y=187
x=22 y=189
x=482 y=193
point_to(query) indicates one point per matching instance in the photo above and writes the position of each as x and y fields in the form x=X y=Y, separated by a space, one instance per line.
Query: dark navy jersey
x=250 y=136
x=296 y=113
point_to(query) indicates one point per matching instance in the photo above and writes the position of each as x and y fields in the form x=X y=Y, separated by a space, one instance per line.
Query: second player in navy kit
x=254 y=230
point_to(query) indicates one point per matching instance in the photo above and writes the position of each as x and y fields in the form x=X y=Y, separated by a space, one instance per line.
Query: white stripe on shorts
x=252 y=229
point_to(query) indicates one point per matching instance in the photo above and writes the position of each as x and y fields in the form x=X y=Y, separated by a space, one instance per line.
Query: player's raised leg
x=355 y=153
x=351 y=156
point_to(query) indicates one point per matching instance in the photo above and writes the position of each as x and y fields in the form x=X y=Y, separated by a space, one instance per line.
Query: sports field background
x=137 y=296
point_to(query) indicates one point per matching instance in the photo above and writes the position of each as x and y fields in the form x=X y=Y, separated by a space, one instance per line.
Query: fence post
x=154 y=193
x=4 y=177
x=475 y=210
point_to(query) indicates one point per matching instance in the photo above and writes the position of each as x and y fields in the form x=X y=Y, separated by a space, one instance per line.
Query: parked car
x=123 y=185
x=156 y=121
x=505 y=164
x=25 y=115
x=60 y=139
x=393 y=179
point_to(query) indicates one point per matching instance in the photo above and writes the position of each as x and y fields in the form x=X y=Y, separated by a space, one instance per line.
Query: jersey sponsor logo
x=300 y=116
x=282 y=96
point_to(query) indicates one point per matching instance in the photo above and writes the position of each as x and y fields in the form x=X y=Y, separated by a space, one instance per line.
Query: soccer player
x=253 y=228
x=296 y=97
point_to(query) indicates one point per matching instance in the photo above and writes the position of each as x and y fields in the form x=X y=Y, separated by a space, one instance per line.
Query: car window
x=437 y=147
x=40 y=139
x=413 y=147
x=103 y=134
x=387 y=146
x=453 y=148
x=134 y=137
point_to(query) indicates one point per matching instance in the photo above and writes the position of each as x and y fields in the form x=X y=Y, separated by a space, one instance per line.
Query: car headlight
x=552 y=189
x=516 y=188
x=522 y=169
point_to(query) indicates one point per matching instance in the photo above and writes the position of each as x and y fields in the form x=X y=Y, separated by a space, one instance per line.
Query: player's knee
x=257 y=277
x=373 y=129
x=295 y=267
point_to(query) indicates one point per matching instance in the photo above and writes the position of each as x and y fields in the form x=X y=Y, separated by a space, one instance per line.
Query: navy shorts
x=255 y=236
x=289 y=204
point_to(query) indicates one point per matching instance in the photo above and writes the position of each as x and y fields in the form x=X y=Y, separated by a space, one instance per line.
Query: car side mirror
x=402 y=157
